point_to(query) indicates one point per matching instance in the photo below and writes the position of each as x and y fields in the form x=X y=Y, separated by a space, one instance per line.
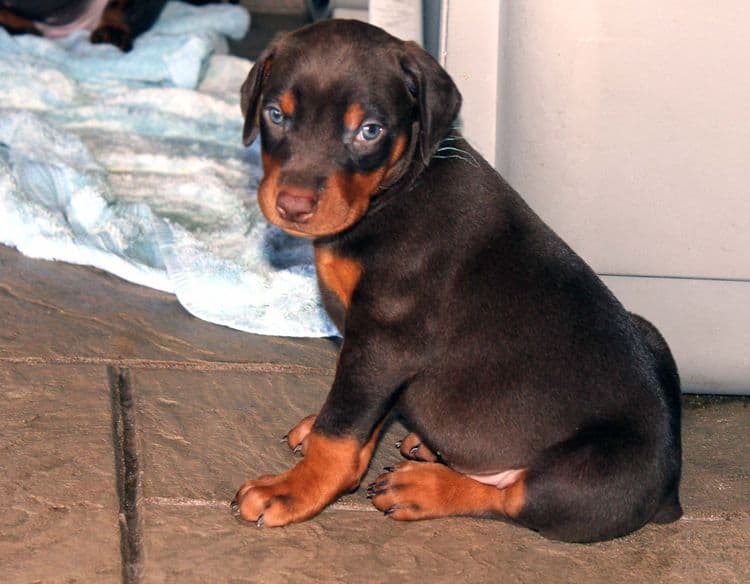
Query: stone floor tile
x=202 y=433
x=187 y=543
x=61 y=312
x=716 y=454
x=59 y=518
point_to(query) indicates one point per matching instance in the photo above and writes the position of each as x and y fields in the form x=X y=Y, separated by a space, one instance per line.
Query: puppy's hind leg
x=602 y=483
x=592 y=487
x=427 y=490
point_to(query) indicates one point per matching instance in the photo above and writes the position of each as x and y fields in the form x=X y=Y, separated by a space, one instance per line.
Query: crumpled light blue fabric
x=134 y=164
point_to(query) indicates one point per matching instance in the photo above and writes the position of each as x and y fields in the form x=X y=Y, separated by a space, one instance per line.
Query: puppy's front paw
x=331 y=467
x=273 y=501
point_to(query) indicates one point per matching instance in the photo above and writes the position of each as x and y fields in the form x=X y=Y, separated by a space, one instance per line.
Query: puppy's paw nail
x=389 y=511
x=413 y=451
x=398 y=444
x=259 y=522
x=235 y=508
x=389 y=468
x=284 y=439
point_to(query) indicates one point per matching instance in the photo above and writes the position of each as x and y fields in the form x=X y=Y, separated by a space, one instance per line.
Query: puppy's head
x=344 y=111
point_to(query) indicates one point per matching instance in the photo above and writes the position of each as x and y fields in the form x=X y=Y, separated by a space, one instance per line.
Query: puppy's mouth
x=325 y=202
x=308 y=212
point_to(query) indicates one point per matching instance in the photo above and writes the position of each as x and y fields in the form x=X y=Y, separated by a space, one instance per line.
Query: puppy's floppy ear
x=438 y=98
x=252 y=88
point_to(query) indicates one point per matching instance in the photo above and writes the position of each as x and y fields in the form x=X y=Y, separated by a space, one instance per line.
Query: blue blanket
x=133 y=163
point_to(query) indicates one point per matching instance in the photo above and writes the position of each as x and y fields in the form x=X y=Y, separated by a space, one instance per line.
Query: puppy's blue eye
x=370 y=132
x=274 y=114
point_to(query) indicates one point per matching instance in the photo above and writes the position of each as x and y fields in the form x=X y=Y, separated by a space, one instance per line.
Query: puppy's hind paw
x=412 y=448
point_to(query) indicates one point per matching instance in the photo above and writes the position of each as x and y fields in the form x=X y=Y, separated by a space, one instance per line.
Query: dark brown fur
x=120 y=23
x=544 y=401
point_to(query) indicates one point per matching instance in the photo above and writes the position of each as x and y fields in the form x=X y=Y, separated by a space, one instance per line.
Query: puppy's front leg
x=332 y=466
x=338 y=448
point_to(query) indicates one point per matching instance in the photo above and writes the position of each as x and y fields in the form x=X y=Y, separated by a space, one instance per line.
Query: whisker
x=452 y=149
x=471 y=160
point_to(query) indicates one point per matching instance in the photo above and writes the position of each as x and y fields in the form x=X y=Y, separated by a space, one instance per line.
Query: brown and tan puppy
x=543 y=400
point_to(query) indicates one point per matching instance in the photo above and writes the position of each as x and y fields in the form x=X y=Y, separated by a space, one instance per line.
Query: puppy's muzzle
x=296 y=205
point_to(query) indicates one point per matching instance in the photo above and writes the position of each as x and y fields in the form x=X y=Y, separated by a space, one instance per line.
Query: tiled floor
x=126 y=425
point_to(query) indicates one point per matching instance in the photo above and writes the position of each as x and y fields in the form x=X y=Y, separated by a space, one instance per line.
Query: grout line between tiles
x=128 y=473
x=216 y=504
x=364 y=507
x=190 y=365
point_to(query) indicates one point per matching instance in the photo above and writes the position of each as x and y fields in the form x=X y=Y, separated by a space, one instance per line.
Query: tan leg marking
x=411 y=447
x=331 y=467
x=426 y=490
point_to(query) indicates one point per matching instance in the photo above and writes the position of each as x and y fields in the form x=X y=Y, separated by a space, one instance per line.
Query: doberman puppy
x=114 y=22
x=533 y=395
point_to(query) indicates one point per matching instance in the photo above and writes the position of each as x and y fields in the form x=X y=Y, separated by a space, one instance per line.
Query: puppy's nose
x=296 y=205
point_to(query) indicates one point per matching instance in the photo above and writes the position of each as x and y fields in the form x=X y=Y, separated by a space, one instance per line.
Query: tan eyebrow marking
x=287 y=103
x=354 y=116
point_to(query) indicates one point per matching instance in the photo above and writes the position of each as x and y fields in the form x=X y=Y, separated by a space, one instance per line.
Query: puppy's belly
x=499 y=480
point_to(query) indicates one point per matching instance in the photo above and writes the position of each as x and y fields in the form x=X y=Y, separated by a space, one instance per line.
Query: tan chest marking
x=340 y=275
